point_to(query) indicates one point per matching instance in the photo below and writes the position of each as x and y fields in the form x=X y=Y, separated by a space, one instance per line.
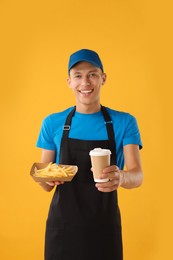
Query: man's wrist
x=122 y=178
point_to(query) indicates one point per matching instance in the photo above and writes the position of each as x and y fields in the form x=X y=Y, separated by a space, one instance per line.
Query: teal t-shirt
x=89 y=127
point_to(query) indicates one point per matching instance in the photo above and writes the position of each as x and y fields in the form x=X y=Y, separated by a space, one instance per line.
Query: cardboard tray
x=38 y=166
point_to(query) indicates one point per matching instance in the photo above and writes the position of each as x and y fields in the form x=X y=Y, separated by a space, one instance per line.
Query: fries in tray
x=43 y=172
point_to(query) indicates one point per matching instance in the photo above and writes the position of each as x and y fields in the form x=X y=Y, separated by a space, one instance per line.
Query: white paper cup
x=100 y=159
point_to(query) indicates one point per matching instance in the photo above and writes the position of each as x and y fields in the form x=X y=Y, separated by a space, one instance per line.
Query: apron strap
x=110 y=131
x=66 y=127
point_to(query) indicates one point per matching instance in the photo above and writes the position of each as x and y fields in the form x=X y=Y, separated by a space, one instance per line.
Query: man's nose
x=85 y=81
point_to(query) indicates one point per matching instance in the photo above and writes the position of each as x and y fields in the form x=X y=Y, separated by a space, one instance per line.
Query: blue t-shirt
x=89 y=127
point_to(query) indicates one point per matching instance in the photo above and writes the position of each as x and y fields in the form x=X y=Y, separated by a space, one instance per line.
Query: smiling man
x=86 y=80
x=84 y=219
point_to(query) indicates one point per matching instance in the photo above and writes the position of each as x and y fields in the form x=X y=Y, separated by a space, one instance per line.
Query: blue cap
x=85 y=55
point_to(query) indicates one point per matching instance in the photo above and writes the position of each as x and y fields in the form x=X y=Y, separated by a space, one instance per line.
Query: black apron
x=83 y=223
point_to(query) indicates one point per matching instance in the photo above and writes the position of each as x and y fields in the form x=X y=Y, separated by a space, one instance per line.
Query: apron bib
x=83 y=223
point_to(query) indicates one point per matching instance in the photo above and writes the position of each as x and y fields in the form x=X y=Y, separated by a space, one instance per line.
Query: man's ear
x=69 y=82
x=104 y=77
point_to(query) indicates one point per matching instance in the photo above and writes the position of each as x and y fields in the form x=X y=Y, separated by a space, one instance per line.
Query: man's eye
x=93 y=75
x=77 y=76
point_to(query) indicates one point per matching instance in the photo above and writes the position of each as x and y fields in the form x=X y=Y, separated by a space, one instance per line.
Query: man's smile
x=86 y=91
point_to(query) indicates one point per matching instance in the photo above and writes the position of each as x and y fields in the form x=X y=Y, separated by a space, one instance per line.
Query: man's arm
x=130 y=178
x=46 y=157
x=133 y=176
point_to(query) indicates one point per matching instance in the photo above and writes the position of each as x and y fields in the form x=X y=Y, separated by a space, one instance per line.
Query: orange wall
x=133 y=39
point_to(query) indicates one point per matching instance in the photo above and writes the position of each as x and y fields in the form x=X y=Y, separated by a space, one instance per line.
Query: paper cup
x=100 y=159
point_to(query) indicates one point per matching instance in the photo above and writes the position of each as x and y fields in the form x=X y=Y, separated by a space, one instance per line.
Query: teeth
x=85 y=91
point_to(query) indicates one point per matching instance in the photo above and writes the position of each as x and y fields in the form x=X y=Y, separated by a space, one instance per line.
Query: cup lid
x=99 y=152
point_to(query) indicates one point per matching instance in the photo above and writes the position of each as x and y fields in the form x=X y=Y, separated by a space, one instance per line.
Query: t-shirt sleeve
x=45 y=138
x=132 y=134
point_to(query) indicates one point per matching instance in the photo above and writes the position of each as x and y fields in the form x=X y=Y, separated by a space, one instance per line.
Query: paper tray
x=38 y=166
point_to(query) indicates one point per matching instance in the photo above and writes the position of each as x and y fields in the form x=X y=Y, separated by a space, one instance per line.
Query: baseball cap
x=85 y=55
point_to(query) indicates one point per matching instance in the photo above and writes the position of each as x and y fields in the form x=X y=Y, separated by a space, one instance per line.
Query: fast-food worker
x=84 y=219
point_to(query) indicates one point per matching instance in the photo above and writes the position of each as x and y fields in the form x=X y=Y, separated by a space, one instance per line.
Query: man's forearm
x=131 y=178
x=46 y=186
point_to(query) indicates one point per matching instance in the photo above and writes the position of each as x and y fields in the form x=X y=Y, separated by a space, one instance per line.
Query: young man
x=84 y=219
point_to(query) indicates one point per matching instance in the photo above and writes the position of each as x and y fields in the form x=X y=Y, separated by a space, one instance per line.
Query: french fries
x=53 y=170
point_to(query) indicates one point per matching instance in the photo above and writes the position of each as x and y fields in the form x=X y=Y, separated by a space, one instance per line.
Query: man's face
x=85 y=80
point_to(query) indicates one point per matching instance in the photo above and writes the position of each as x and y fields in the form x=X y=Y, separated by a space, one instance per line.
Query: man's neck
x=88 y=109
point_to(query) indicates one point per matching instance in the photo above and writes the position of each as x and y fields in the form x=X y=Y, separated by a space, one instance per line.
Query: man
x=84 y=219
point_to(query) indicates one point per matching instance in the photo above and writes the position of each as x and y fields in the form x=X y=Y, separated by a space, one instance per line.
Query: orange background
x=134 y=41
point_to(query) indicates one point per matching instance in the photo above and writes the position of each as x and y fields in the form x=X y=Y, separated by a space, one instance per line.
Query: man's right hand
x=48 y=186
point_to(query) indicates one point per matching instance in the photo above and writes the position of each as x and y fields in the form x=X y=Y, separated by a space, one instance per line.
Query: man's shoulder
x=118 y=114
x=121 y=118
x=58 y=116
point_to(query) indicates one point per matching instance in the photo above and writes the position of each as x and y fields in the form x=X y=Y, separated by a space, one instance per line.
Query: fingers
x=109 y=186
x=53 y=183
x=112 y=168
x=113 y=174
x=106 y=189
